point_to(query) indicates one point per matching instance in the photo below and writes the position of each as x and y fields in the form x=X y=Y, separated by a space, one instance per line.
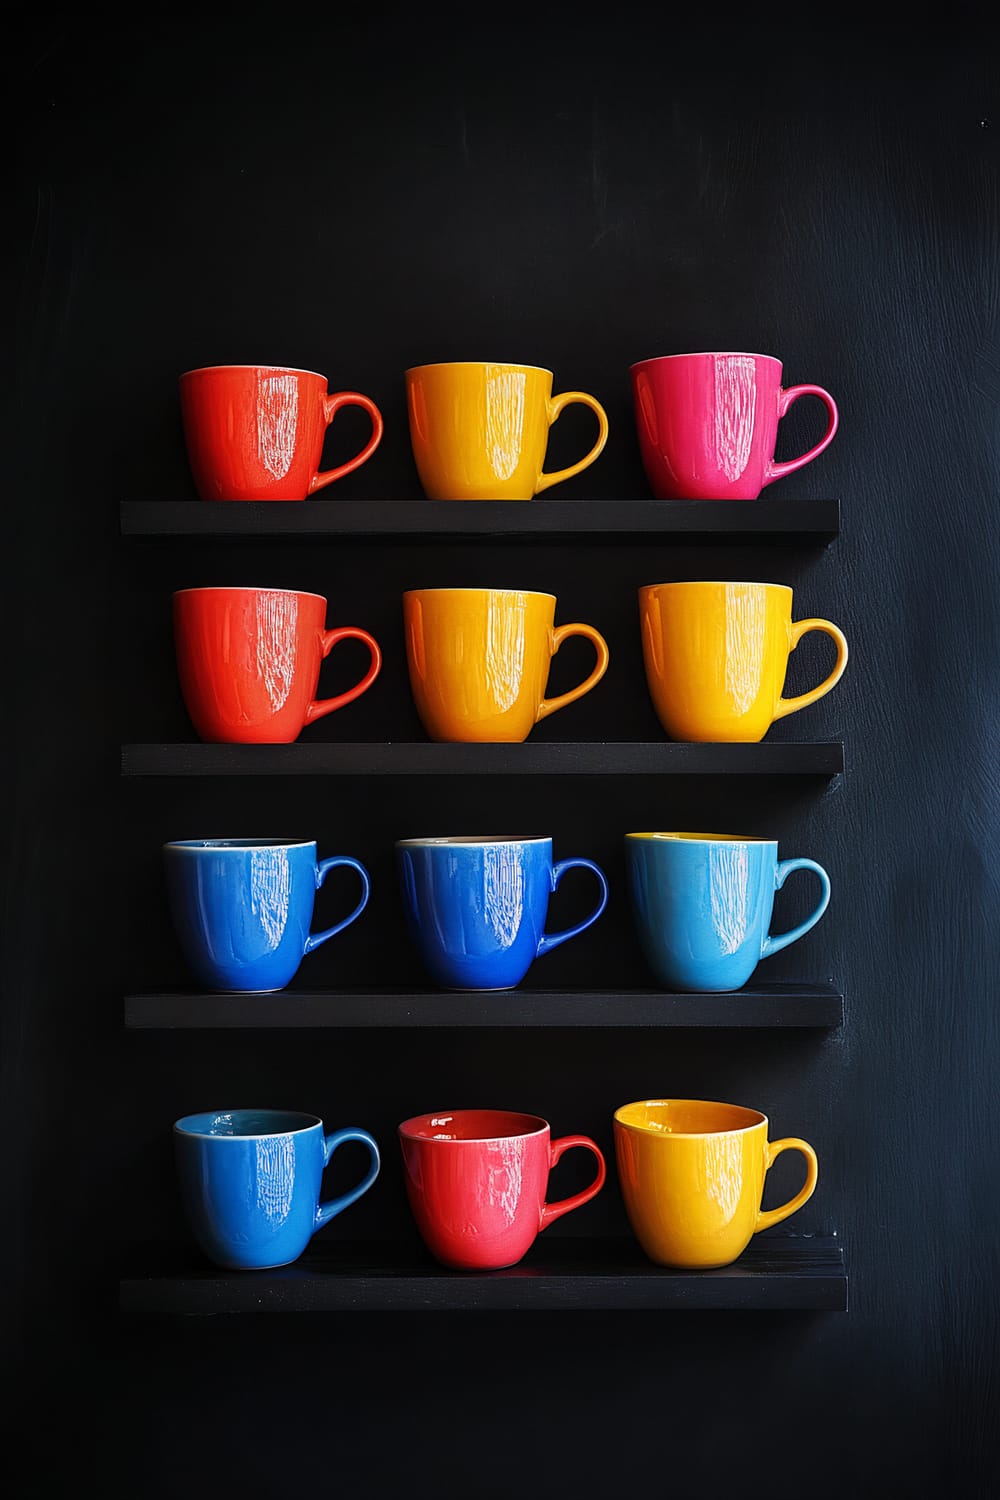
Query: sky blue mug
x=242 y=908
x=250 y=1181
x=702 y=905
x=476 y=907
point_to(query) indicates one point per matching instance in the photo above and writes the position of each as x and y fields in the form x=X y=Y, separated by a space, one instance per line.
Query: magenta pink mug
x=708 y=424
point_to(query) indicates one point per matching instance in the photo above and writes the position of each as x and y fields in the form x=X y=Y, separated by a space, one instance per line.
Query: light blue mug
x=476 y=907
x=702 y=905
x=242 y=908
x=250 y=1182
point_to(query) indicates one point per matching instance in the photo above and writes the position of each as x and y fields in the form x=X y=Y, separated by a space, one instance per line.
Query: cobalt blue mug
x=242 y=908
x=476 y=907
x=250 y=1182
x=702 y=905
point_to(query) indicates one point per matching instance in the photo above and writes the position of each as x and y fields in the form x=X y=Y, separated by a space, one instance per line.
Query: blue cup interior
x=243 y=1123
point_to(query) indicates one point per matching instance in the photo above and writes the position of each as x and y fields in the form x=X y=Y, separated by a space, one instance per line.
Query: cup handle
x=322 y=869
x=551 y=1211
x=785 y=398
x=321 y=706
x=331 y=405
x=772 y=1150
x=549 y=705
x=799 y=629
x=549 y=940
x=556 y=406
x=327 y=1211
x=785 y=867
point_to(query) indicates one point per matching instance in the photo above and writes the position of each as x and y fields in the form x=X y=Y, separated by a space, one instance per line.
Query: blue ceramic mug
x=702 y=905
x=476 y=907
x=250 y=1181
x=242 y=908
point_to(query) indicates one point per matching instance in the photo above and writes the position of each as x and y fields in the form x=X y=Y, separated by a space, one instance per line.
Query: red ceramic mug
x=249 y=659
x=256 y=432
x=476 y=1182
x=708 y=424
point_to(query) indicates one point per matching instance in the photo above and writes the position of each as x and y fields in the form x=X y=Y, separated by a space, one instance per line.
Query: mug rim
x=406 y=1129
x=705 y=838
x=534 y=593
x=657 y=359
x=754 y=1124
x=309 y=1122
x=741 y=583
x=477 y=364
x=472 y=841
x=281 y=369
x=247 y=588
x=239 y=846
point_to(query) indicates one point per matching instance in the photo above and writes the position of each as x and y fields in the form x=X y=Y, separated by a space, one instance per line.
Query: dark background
x=354 y=192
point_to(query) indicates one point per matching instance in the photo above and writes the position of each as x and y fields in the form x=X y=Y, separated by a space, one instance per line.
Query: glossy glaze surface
x=708 y=424
x=479 y=661
x=702 y=904
x=716 y=655
x=250 y=1182
x=476 y=1182
x=692 y=1172
x=256 y=432
x=242 y=908
x=248 y=661
x=476 y=908
x=479 y=431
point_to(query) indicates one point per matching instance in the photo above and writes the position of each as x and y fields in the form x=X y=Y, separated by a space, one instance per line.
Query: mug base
x=488 y=989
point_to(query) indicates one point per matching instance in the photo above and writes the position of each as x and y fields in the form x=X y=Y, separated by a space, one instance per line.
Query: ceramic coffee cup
x=242 y=908
x=250 y=1182
x=476 y=907
x=691 y=1173
x=256 y=432
x=479 y=661
x=476 y=1181
x=708 y=424
x=716 y=655
x=479 y=430
x=249 y=659
x=702 y=903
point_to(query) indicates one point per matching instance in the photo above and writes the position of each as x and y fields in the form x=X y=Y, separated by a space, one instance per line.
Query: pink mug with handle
x=708 y=424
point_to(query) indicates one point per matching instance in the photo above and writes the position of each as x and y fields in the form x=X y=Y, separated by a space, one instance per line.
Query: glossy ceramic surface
x=476 y=907
x=476 y=1181
x=479 y=431
x=479 y=661
x=242 y=908
x=250 y=1182
x=256 y=432
x=248 y=661
x=708 y=424
x=691 y=1173
x=702 y=905
x=716 y=655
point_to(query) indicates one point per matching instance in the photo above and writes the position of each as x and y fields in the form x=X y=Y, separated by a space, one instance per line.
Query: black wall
x=355 y=191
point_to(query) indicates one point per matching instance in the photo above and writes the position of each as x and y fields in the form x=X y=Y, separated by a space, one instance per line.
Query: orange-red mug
x=248 y=661
x=256 y=432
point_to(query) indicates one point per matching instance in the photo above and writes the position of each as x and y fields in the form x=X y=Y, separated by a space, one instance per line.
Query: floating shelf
x=769 y=519
x=777 y=1005
x=775 y=1273
x=402 y=758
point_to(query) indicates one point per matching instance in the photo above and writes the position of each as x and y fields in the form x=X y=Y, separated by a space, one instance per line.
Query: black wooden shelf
x=776 y=1005
x=404 y=758
x=775 y=1273
x=770 y=519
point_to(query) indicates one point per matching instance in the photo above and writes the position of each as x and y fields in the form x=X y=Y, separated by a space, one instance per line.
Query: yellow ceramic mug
x=716 y=656
x=479 y=431
x=479 y=661
x=692 y=1178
